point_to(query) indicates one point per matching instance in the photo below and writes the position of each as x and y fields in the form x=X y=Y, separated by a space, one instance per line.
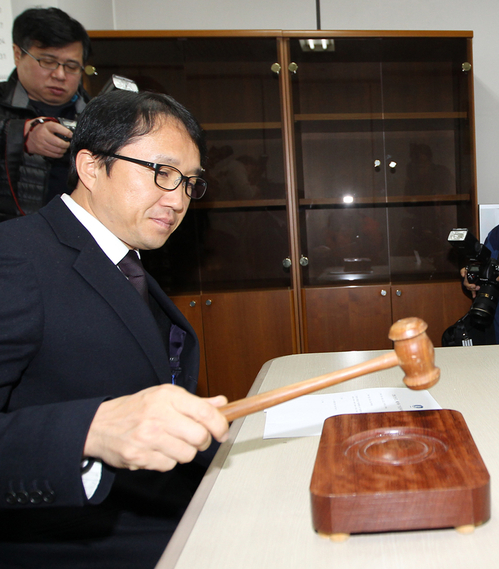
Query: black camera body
x=482 y=270
x=113 y=83
x=68 y=123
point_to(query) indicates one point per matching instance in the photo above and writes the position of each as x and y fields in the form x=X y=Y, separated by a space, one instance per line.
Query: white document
x=305 y=416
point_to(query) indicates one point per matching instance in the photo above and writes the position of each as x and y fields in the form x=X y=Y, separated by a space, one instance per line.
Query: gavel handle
x=243 y=407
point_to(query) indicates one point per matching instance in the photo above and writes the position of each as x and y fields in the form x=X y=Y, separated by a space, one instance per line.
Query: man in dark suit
x=101 y=437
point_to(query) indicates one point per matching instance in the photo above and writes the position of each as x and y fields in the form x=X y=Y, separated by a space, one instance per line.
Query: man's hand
x=155 y=429
x=471 y=287
x=44 y=139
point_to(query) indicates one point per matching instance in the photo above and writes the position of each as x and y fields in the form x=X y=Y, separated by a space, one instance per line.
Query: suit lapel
x=100 y=273
x=105 y=278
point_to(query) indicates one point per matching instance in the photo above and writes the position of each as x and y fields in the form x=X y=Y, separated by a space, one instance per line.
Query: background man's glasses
x=49 y=63
x=169 y=178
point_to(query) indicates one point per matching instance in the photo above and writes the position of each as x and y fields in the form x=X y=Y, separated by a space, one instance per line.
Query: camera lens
x=484 y=306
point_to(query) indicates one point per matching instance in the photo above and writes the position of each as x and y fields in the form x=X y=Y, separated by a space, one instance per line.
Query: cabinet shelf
x=308 y=117
x=242 y=126
x=386 y=200
x=239 y=204
x=378 y=116
x=280 y=203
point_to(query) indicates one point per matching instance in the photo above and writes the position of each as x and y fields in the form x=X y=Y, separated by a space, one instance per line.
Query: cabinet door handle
x=208 y=302
x=275 y=68
x=303 y=261
x=392 y=164
x=192 y=303
x=398 y=292
x=293 y=67
x=377 y=163
x=383 y=292
x=286 y=263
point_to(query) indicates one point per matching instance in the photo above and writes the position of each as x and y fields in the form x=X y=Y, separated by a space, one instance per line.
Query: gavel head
x=415 y=353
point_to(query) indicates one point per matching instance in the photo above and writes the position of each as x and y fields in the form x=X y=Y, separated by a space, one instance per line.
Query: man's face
x=129 y=203
x=50 y=86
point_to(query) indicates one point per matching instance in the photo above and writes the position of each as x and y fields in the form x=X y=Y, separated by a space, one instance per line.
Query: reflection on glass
x=338 y=163
x=245 y=247
x=236 y=177
x=247 y=167
x=372 y=244
x=346 y=244
x=425 y=163
x=423 y=176
x=419 y=233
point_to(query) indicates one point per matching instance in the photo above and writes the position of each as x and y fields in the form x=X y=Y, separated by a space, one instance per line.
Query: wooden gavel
x=413 y=351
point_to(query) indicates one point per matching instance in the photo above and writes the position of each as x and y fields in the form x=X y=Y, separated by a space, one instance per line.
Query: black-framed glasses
x=72 y=67
x=169 y=178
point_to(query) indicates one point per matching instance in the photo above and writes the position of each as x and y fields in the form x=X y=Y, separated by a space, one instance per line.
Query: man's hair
x=48 y=27
x=118 y=118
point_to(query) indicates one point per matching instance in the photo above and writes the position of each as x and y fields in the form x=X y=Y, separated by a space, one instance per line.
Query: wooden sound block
x=407 y=470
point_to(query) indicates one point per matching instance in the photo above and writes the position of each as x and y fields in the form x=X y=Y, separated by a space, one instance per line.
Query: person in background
x=102 y=440
x=492 y=243
x=50 y=51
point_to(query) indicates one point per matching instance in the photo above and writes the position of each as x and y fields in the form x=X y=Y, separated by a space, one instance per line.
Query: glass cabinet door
x=337 y=110
x=382 y=144
x=427 y=152
x=236 y=237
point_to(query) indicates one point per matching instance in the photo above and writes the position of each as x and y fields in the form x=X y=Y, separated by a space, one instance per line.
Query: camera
x=113 y=83
x=68 y=123
x=482 y=270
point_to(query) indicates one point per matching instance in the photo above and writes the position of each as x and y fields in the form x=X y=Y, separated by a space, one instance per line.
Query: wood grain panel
x=243 y=330
x=438 y=304
x=347 y=318
x=398 y=471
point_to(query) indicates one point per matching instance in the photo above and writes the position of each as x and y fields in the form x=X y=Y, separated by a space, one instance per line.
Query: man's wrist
x=33 y=124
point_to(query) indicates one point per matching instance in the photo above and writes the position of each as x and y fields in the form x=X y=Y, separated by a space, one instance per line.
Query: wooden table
x=252 y=510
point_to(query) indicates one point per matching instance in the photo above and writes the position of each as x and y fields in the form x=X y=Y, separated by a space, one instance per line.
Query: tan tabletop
x=252 y=510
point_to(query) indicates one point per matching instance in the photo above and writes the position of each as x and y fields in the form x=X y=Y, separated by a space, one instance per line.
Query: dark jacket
x=23 y=177
x=74 y=332
x=492 y=242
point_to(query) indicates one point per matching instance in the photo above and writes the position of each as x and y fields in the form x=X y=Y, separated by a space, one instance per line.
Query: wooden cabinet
x=239 y=332
x=439 y=304
x=359 y=317
x=346 y=318
x=383 y=147
x=338 y=163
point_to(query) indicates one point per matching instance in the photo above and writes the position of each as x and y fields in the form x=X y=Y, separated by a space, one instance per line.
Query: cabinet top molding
x=277 y=33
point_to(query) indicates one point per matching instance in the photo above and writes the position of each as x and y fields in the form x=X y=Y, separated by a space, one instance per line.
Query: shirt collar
x=113 y=247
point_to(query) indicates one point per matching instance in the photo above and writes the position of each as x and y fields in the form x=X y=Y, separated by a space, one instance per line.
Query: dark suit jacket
x=73 y=333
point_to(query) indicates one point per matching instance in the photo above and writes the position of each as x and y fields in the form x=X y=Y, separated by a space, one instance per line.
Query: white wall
x=480 y=16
